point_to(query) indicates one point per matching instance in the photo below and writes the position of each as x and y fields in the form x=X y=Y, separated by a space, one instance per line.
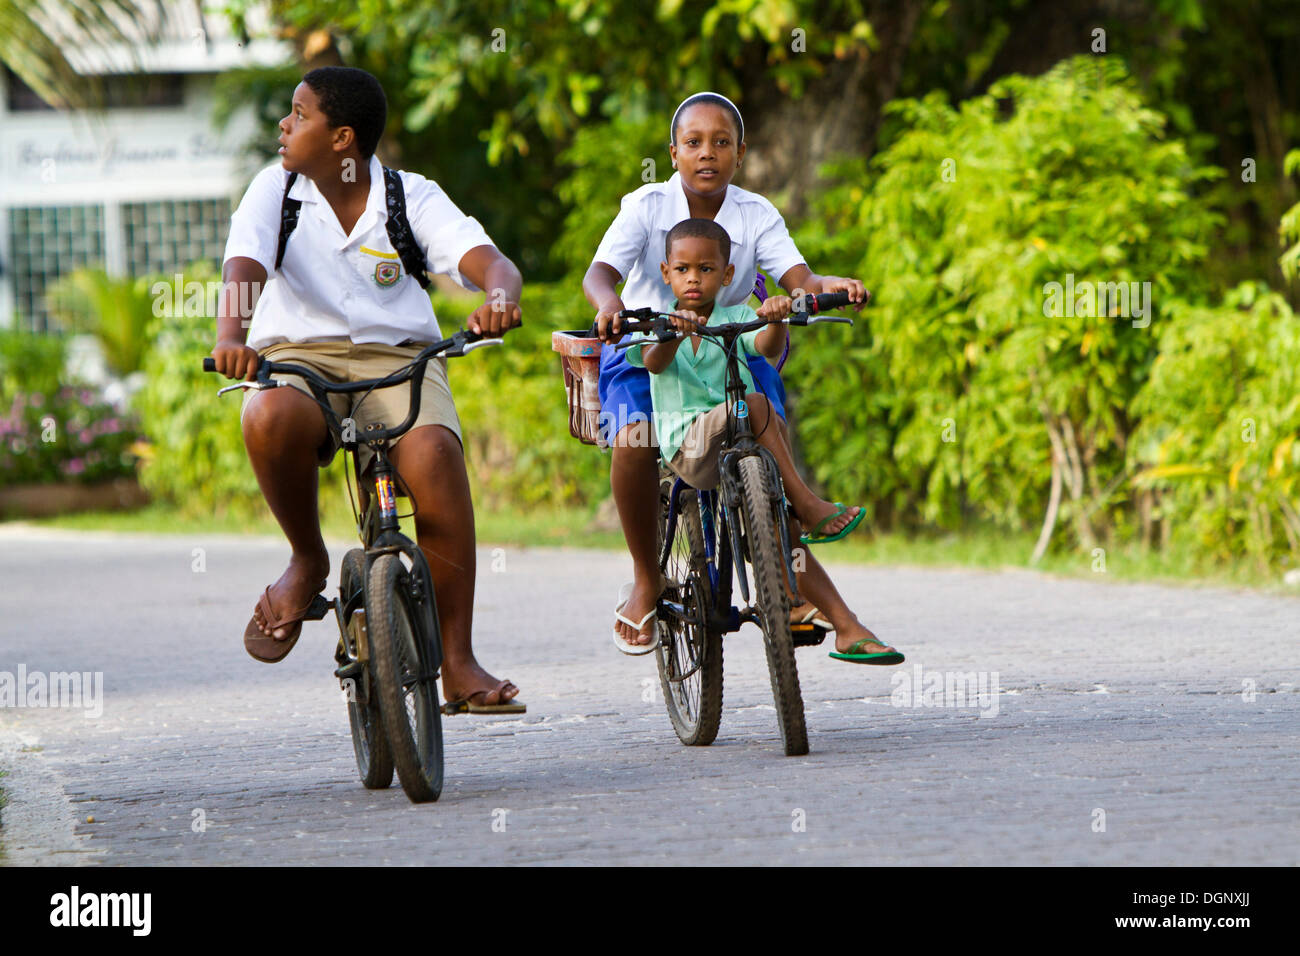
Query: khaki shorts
x=697 y=460
x=344 y=361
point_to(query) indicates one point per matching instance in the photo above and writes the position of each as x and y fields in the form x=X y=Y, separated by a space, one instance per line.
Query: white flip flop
x=633 y=650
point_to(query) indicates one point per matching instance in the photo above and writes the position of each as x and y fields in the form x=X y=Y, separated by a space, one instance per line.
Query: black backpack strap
x=288 y=219
x=399 y=229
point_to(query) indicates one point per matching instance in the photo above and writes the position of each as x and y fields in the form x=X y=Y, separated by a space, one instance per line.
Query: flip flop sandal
x=813 y=619
x=634 y=650
x=466 y=706
x=269 y=650
x=812 y=537
x=882 y=657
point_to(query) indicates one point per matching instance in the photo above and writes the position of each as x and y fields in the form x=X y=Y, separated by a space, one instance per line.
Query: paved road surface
x=1119 y=705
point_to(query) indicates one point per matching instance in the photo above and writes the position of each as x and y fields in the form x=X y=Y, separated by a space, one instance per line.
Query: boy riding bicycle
x=347 y=243
x=688 y=391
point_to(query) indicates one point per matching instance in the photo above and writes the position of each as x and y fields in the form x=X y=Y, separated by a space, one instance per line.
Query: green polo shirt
x=696 y=381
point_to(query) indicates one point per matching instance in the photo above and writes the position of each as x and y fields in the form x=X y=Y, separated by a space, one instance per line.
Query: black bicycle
x=704 y=534
x=390 y=644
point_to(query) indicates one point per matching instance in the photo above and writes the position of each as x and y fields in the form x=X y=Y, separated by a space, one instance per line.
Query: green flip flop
x=812 y=537
x=881 y=657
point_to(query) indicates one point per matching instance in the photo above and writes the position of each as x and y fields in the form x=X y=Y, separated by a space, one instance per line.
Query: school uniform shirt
x=695 y=382
x=634 y=243
x=333 y=286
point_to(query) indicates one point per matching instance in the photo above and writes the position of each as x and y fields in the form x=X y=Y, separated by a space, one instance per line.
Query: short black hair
x=709 y=99
x=351 y=97
x=699 y=229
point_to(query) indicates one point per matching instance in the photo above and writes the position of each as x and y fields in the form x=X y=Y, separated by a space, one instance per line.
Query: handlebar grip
x=825 y=301
x=209 y=364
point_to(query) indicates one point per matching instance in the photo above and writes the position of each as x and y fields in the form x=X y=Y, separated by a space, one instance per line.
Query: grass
x=989 y=549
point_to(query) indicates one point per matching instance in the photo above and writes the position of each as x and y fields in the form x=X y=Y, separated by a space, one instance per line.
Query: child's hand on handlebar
x=236 y=360
x=493 y=319
x=684 y=320
x=859 y=295
x=775 y=308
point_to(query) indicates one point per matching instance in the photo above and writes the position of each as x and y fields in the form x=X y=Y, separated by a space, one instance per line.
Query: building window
x=45 y=243
x=165 y=237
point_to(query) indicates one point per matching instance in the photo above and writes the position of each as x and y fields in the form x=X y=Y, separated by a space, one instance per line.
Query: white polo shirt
x=634 y=243
x=333 y=286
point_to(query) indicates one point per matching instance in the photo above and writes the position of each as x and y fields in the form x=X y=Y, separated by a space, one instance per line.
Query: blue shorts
x=625 y=390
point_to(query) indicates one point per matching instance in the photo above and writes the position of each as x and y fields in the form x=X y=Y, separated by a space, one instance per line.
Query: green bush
x=957 y=397
x=30 y=362
x=117 y=311
x=1220 y=417
x=513 y=410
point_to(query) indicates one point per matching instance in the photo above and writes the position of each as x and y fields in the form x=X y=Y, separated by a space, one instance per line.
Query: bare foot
x=645 y=595
x=302 y=580
x=472 y=682
x=845 y=638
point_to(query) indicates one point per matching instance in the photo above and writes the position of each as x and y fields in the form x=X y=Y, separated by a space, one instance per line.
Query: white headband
x=672 y=130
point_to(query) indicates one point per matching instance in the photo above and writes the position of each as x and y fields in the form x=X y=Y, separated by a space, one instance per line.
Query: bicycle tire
x=773 y=602
x=689 y=656
x=409 y=705
x=369 y=739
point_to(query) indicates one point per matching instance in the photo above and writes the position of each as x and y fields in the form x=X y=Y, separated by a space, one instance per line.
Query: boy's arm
x=488 y=269
x=770 y=341
x=242 y=280
x=659 y=356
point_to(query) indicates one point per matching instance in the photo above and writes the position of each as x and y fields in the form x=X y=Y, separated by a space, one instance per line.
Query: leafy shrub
x=956 y=397
x=117 y=311
x=30 y=362
x=1221 y=414
x=68 y=435
x=513 y=412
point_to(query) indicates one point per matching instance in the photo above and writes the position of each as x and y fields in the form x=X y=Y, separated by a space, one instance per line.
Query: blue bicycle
x=742 y=526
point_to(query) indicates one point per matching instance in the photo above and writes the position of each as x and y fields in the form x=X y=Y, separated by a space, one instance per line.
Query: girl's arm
x=599 y=285
x=801 y=277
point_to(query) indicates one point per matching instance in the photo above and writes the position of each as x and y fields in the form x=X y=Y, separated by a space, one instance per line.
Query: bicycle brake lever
x=257 y=385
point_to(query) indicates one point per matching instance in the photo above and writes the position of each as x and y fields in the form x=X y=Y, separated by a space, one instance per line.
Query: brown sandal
x=269 y=649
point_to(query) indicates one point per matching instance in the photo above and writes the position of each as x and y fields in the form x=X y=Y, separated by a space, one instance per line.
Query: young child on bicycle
x=688 y=392
x=342 y=302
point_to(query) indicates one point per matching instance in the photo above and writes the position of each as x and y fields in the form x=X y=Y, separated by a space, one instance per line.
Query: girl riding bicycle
x=707 y=145
x=688 y=387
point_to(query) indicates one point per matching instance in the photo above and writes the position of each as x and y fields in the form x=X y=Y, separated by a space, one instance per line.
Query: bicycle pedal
x=807 y=635
x=320 y=606
x=349 y=670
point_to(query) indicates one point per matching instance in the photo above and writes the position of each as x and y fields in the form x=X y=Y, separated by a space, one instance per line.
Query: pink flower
x=74 y=466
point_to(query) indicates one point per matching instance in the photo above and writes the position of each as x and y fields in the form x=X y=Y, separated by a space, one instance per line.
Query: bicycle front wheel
x=404 y=682
x=690 y=651
x=369 y=739
x=772 y=601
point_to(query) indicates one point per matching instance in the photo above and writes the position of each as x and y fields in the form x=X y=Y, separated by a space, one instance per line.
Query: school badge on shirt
x=386 y=273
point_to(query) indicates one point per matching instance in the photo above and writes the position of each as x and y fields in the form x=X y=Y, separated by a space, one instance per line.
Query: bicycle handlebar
x=462 y=343
x=806 y=306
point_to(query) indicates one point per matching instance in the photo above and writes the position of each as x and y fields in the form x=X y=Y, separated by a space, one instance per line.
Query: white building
x=142 y=188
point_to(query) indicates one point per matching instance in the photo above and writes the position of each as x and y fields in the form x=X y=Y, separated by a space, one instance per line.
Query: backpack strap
x=399 y=229
x=288 y=219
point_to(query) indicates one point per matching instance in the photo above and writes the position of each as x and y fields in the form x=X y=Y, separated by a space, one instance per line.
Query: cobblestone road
x=1128 y=701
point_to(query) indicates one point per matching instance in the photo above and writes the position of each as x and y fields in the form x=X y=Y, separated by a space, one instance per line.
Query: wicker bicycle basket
x=580 y=364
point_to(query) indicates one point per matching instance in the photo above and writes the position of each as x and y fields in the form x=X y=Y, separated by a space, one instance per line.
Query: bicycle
x=390 y=644
x=704 y=534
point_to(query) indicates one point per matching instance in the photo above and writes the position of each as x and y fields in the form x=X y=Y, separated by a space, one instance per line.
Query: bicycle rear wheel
x=761 y=515
x=404 y=683
x=369 y=743
x=690 y=652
